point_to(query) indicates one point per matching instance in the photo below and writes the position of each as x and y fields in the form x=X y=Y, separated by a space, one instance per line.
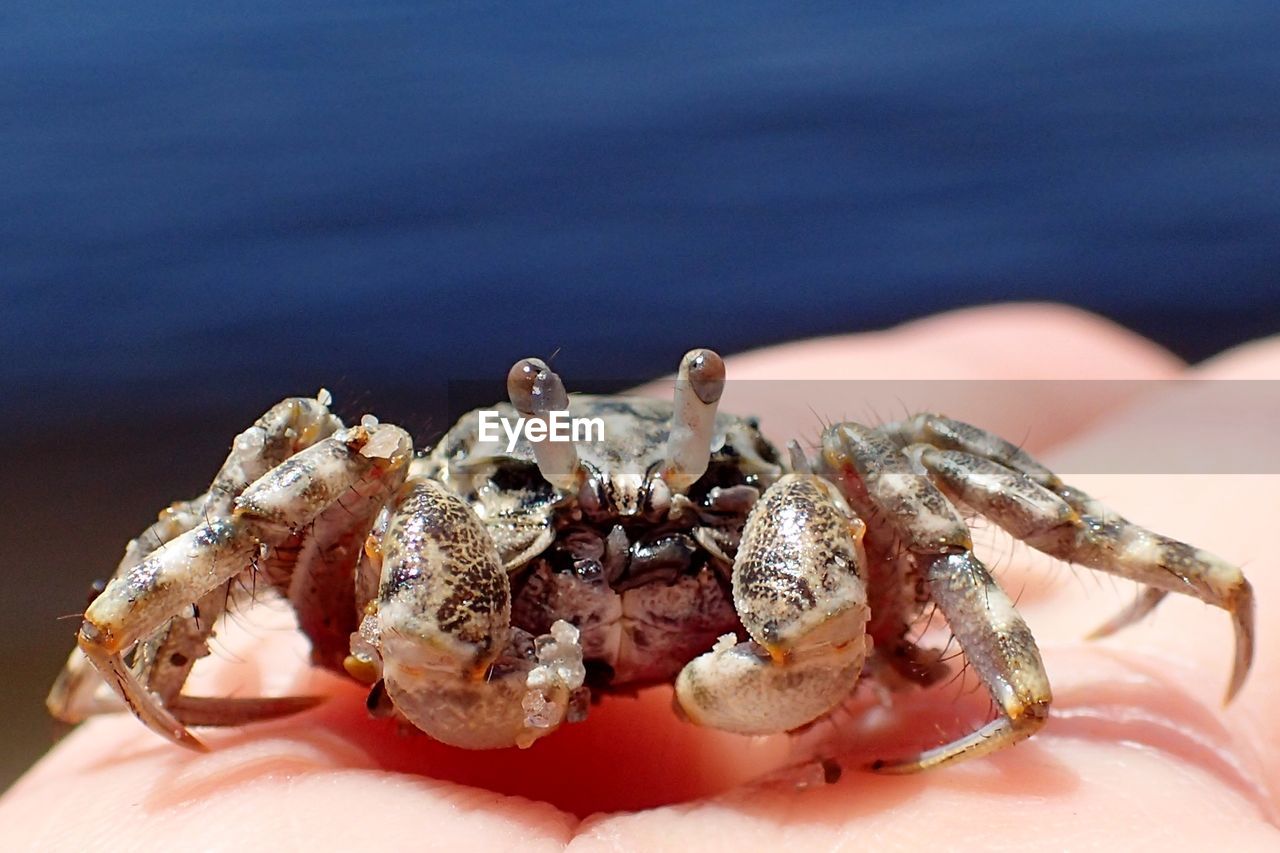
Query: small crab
x=488 y=589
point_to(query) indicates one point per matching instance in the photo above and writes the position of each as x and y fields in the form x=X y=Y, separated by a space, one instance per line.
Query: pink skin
x=1139 y=752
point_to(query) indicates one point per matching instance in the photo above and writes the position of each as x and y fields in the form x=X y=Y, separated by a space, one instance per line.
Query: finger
x=1047 y=793
x=992 y=366
x=1138 y=741
x=323 y=777
x=1019 y=341
x=334 y=774
x=320 y=744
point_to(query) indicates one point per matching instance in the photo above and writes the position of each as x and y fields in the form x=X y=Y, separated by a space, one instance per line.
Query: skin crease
x=1139 y=752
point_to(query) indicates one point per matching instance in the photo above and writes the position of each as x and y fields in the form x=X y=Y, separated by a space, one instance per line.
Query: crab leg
x=75 y=693
x=1000 y=648
x=798 y=589
x=143 y=599
x=448 y=658
x=164 y=660
x=877 y=477
x=947 y=434
x=162 y=586
x=1147 y=600
x=1066 y=523
x=316 y=570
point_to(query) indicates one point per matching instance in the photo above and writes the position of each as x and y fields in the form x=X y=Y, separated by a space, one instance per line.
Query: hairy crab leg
x=878 y=478
x=699 y=386
x=799 y=591
x=164 y=659
x=164 y=584
x=441 y=641
x=145 y=598
x=999 y=646
x=76 y=693
x=948 y=434
x=1068 y=524
x=316 y=569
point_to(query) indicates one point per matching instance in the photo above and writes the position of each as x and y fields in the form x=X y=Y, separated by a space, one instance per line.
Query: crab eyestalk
x=535 y=390
x=699 y=385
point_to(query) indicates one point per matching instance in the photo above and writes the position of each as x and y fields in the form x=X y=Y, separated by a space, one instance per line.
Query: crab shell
x=644 y=574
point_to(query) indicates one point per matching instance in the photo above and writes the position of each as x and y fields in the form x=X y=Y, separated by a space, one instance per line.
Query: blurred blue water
x=297 y=193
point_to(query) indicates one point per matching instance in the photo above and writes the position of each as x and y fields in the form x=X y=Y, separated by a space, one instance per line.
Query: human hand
x=1138 y=751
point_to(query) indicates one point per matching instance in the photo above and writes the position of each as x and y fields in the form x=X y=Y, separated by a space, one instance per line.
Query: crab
x=488 y=590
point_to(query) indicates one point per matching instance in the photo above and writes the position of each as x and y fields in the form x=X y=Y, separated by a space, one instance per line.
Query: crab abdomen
x=630 y=637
